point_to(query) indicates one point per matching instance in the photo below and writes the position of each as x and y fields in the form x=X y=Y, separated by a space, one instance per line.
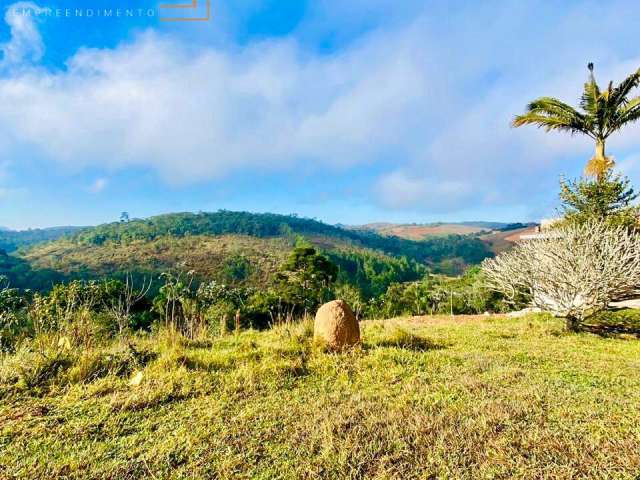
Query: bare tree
x=121 y=305
x=573 y=272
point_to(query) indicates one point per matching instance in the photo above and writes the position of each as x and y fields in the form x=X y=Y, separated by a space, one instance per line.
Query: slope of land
x=11 y=240
x=205 y=255
x=497 y=236
x=266 y=225
x=204 y=242
x=420 y=232
x=487 y=397
x=499 y=241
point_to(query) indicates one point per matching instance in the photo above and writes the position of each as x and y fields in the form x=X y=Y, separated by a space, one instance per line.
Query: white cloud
x=400 y=190
x=98 y=185
x=196 y=116
x=439 y=97
x=25 y=43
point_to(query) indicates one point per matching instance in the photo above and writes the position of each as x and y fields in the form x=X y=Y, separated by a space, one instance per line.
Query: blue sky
x=351 y=112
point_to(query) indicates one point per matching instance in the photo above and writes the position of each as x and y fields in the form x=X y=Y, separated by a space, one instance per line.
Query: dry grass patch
x=421 y=398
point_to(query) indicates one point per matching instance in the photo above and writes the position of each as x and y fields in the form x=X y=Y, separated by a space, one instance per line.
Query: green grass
x=470 y=397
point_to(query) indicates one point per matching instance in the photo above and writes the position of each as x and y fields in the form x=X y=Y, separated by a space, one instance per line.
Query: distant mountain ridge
x=418 y=231
x=264 y=225
x=206 y=242
x=12 y=240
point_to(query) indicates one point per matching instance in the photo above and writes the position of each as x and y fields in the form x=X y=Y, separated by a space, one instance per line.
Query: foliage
x=12 y=240
x=574 y=272
x=176 y=303
x=22 y=275
x=237 y=268
x=247 y=249
x=512 y=226
x=374 y=284
x=222 y=302
x=604 y=112
x=123 y=298
x=608 y=198
x=372 y=274
x=13 y=317
x=471 y=250
x=59 y=308
x=304 y=279
x=437 y=295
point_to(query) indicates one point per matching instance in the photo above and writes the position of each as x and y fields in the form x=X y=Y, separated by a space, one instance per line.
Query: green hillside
x=238 y=247
x=11 y=240
x=266 y=225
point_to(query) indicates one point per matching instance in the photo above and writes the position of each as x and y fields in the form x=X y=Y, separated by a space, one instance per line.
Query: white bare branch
x=130 y=295
x=572 y=272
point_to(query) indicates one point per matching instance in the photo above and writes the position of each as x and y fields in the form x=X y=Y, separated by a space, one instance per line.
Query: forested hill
x=468 y=249
x=11 y=240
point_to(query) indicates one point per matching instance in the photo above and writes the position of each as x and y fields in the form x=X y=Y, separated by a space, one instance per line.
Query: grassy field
x=470 y=397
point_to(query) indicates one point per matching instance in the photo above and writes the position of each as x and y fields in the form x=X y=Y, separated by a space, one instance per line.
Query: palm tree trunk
x=600 y=146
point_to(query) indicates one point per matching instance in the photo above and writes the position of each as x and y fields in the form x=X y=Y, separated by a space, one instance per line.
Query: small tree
x=172 y=297
x=123 y=300
x=573 y=272
x=304 y=279
x=608 y=198
x=236 y=269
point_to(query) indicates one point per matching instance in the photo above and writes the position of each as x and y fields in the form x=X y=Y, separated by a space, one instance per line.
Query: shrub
x=219 y=316
x=573 y=272
x=435 y=294
x=14 y=322
x=609 y=198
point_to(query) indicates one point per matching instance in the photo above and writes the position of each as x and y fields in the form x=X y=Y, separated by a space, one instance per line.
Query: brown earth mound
x=336 y=325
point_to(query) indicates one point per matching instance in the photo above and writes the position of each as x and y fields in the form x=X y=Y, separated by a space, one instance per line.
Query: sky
x=349 y=112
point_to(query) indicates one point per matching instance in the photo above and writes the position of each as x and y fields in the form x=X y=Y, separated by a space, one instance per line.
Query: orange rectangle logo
x=196 y=11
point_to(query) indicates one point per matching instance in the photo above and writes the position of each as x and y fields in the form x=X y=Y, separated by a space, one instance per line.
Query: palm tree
x=602 y=113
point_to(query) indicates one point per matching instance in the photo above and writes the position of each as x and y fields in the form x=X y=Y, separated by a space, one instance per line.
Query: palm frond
x=552 y=114
x=629 y=113
x=589 y=99
x=619 y=94
x=549 y=123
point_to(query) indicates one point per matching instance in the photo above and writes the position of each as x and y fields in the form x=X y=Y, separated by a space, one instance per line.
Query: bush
x=463 y=295
x=14 y=322
x=608 y=198
x=573 y=272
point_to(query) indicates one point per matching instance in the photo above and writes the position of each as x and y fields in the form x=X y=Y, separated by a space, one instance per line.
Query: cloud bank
x=427 y=101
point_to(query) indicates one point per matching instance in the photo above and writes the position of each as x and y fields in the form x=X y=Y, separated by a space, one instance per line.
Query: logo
x=196 y=11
